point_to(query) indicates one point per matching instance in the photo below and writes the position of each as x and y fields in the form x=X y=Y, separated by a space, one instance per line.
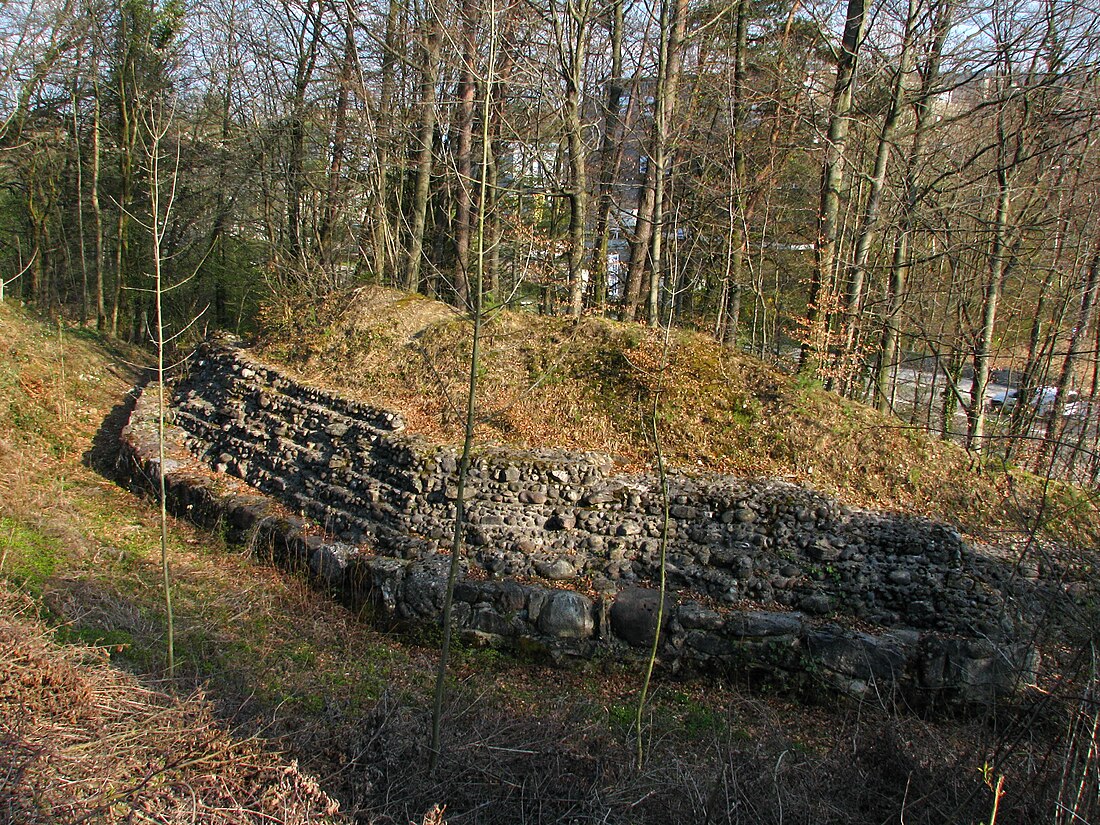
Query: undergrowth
x=91 y=743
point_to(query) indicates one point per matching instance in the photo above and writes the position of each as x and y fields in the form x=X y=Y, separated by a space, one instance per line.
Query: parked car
x=1039 y=398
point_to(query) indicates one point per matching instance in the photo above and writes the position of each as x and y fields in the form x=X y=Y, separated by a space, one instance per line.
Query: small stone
x=900 y=577
x=598 y=497
x=468 y=492
x=562 y=521
x=555 y=569
x=822 y=550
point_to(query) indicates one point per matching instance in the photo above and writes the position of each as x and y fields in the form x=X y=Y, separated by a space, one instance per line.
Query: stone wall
x=562 y=553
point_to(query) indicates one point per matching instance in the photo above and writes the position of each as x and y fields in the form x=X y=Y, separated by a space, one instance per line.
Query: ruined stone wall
x=562 y=553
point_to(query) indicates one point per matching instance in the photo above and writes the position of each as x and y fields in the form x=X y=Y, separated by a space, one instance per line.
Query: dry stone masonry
x=765 y=577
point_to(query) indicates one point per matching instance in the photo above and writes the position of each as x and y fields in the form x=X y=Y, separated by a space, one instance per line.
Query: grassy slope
x=589 y=385
x=78 y=590
x=79 y=597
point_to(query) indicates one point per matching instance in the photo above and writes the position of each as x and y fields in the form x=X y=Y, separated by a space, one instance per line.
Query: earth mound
x=595 y=385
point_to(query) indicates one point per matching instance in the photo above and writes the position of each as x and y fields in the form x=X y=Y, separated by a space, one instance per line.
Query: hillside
x=285 y=701
x=82 y=739
x=590 y=385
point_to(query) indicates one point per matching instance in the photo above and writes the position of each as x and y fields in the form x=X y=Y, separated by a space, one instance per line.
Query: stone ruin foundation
x=766 y=579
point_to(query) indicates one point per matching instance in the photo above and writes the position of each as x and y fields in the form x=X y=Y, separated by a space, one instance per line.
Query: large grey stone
x=634 y=615
x=856 y=655
x=694 y=616
x=567 y=615
x=425 y=586
x=329 y=561
x=762 y=623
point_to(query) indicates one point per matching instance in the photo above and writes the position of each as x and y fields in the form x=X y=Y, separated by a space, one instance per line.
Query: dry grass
x=80 y=740
x=92 y=744
x=589 y=385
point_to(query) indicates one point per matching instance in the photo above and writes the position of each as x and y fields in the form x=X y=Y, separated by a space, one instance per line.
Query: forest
x=897 y=198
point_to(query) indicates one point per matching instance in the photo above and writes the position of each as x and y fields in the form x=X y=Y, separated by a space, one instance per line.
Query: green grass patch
x=28 y=557
x=115 y=642
x=621 y=718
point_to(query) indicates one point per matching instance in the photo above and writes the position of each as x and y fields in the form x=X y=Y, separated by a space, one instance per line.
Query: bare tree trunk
x=78 y=161
x=494 y=224
x=1090 y=423
x=994 y=286
x=467 y=90
x=1073 y=356
x=832 y=180
x=37 y=210
x=610 y=154
x=888 y=351
x=97 y=214
x=870 y=219
x=333 y=203
x=296 y=152
x=900 y=260
x=1037 y=359
x=1015 y=109
x=729 y=309
x=128 y=145
x=572 y=52
x=384 y=127
x=429 y=96
x=674 y=22
x=639 y=247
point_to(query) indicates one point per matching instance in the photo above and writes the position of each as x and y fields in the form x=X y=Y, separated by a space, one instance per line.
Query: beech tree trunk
x=899 y=264
x=429 y=96
x=870 y=220
x=832 y=180
x=464 y=167
x=609 y=157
